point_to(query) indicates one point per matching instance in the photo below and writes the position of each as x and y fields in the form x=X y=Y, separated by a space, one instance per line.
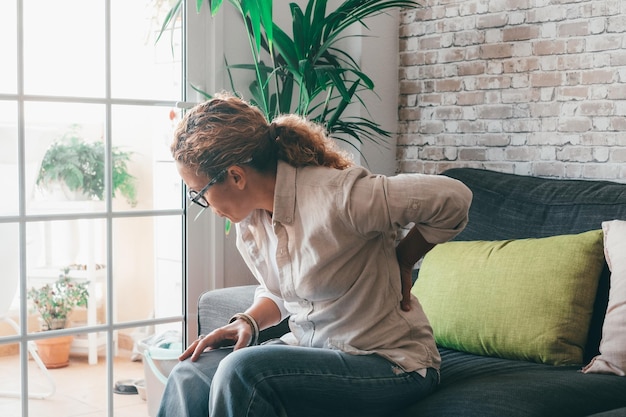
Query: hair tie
x=273 y=135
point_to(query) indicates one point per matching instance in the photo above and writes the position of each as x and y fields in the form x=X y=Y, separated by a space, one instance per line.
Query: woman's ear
x=238 y=176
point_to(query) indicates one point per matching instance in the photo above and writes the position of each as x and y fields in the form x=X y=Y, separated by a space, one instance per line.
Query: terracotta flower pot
x=55 y=352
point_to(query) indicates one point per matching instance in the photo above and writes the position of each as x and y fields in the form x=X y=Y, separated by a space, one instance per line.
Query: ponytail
x=304 y=143
x=226 y=131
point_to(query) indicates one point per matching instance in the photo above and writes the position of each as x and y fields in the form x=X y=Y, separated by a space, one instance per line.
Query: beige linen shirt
x=333 y=269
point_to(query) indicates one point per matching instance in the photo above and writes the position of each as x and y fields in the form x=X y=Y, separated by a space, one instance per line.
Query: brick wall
x=534 y=87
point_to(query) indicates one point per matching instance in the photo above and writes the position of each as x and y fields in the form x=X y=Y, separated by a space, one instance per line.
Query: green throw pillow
x=528 y=299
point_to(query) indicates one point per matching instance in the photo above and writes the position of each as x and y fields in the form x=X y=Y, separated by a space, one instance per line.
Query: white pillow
x=612 y=357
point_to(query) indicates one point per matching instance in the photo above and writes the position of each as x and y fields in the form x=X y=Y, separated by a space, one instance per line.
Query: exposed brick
x=521 y=153
x=496 y=51
x=491 y=21
x=617 y=155
x=473 y=154
x=449 y=112
x=617 y=24
x=548 y=169
x=471 y=126
x=603 y=43
x=517 y=95
x=600 y=171
x=599 y=76
x=572 y=93
x=451 y=55
x=596 y=108
x=522 y=125
x=550 y=47
x=600 y=154
x=573 y=62
x=469 y=37
x=509 y=5
x=520 y=64
x=617 y=92
x=520 y=33
x=433 y=153
x=530 y=87
x=575 y=154
x=575 y=46
x=431 y=127
x=546 y=109
x=544 y=79
x=410 y=59
x=470 y=98
x=470 y=68
x=430 y=42
x=494 y=111
x=448 y=85
x=575 y=28
x=430 y=99
x=574 y=124
x=409 y=87
x=618 y=123
x=494 y=82
x=551 y=13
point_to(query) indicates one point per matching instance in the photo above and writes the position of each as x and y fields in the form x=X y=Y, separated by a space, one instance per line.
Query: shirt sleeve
x=437 y=205
x=262 y=291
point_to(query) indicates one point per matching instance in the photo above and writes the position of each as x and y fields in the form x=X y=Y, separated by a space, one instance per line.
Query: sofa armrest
x=216 y=307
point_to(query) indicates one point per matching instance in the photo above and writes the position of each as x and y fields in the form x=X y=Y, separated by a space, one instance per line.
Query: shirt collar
x=285 y=193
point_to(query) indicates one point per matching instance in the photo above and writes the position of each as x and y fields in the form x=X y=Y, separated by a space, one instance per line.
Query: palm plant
x=307 y=74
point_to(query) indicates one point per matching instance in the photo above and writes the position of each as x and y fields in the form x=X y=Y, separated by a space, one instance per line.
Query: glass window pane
x=11 y=379
x=81 y=390
x=139 y=67
x=67 y=142
x=8 y=47
x=9 y=283
x=8 y=159
x=147 y=267
x=72 y=251
x=66 y=39
x=156 y=182
x=129 y=370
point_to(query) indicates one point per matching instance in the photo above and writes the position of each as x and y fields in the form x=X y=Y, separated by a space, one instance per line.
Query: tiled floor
x=81 y=389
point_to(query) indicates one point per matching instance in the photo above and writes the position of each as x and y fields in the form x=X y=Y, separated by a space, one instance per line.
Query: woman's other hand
x=237 y=333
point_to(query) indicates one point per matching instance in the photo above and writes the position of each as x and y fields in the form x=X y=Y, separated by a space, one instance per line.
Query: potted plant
x=308 y=73
x=79 y=166
x=54 y=302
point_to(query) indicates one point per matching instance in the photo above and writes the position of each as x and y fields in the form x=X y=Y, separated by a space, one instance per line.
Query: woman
x=319 y=234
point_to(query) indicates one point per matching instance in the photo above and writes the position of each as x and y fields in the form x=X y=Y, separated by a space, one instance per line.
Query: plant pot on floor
x=55 y=352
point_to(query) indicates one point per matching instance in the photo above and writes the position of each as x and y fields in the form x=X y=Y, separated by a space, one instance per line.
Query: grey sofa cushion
x=508 y=206
x=480 y=386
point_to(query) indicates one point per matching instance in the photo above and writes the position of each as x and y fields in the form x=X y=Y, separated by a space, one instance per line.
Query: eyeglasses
x=198 y=196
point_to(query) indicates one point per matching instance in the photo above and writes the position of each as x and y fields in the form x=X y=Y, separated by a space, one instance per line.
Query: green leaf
x=309 y=73
x=215 y=6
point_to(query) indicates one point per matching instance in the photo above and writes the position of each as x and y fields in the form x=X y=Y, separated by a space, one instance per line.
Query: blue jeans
x=280 y=380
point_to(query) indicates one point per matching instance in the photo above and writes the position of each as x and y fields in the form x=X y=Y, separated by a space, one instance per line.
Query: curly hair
x=227 y=130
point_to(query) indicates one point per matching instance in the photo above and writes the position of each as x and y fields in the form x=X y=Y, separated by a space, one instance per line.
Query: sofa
x=494 y=361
